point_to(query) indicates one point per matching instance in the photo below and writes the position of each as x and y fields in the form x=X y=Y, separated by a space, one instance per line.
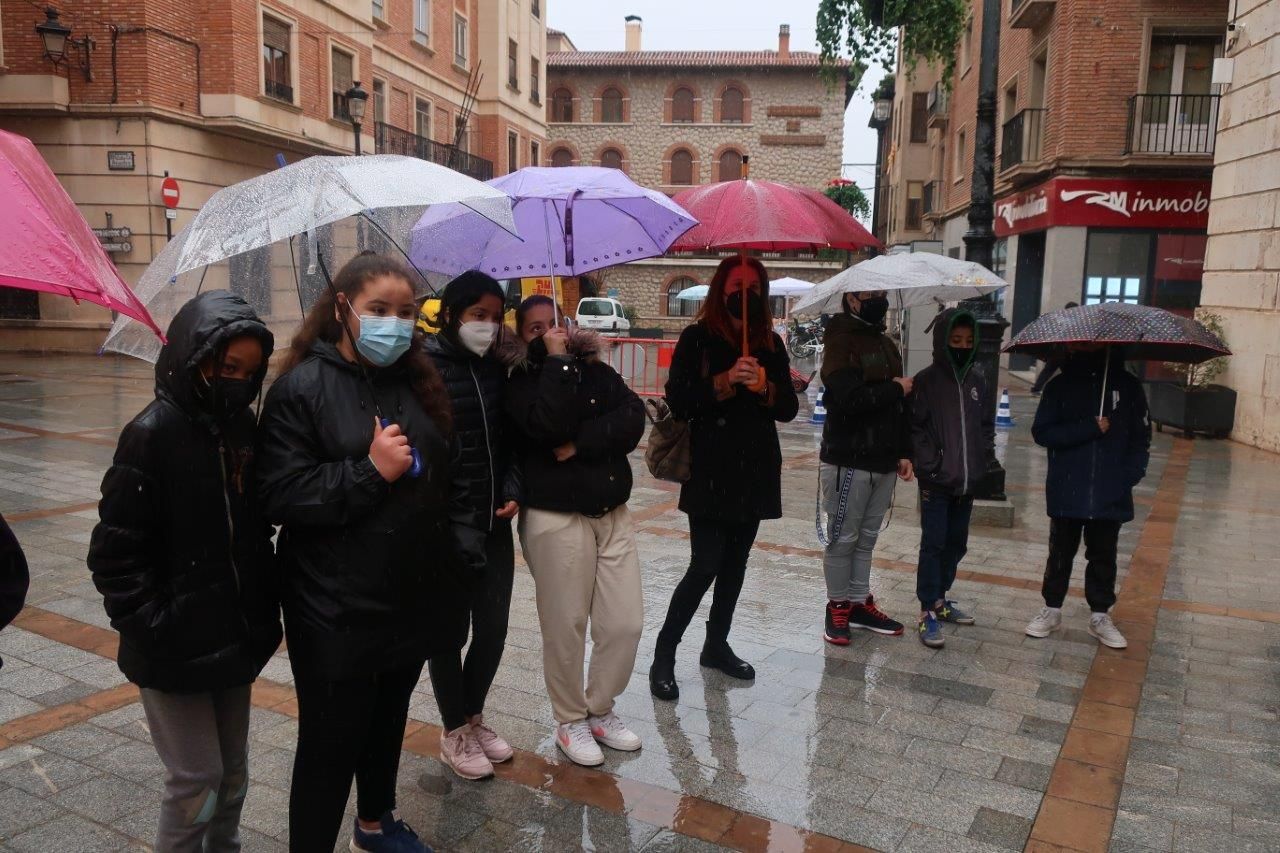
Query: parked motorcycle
x=804 y=340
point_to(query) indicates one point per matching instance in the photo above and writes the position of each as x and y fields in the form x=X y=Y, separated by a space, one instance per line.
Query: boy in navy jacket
x=1093 y=420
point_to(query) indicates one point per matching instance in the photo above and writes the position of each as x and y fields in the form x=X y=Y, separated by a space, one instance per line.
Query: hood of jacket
x=583 y=344
x=508 y=348
x=942 y=326
x=200 y=329
x=847 y=323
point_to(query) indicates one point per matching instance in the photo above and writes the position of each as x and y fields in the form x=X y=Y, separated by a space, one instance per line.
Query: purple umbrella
x=572 y=220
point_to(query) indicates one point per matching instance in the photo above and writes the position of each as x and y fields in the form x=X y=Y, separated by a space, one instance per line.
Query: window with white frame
x=422 y=21
x=422 y=117
x=379 y=101
x=459 y=41
x=379 y=10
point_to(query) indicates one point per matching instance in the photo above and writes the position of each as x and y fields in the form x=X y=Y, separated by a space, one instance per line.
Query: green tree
x=867 y=30
x=847 y=195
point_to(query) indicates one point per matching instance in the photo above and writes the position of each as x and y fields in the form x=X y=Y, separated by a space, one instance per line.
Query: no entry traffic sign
x=169 y=192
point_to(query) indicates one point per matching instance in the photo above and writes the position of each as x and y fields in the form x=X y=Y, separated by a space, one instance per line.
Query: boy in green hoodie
x=952 y=440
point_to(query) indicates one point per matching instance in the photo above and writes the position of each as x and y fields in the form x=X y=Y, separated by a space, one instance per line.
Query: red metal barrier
x=643 y=363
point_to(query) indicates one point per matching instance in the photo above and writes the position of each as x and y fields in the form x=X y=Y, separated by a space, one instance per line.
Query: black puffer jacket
x=182 y=554
x=952 y=433
x=867 y=426
x=576 y=398
x=371 y=570
x=737 y=462
x=477 y=391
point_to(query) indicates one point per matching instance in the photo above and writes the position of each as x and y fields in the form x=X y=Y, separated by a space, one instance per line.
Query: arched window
x=731 y=105
x=682 y=167
x=562 y=105
x=682 y=307
x=611 y=158
x=611 y=105
x=682 y=104
x=562 y=157
x=730 y=165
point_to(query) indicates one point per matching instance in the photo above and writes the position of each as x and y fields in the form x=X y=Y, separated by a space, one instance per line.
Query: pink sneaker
x=495 y=748
x=461 y=753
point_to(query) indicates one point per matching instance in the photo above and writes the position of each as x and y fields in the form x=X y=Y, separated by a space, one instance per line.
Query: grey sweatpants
x=202 y=740
x=847 y=560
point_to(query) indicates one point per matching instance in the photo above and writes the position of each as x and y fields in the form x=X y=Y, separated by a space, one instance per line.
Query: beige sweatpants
x=584 y=568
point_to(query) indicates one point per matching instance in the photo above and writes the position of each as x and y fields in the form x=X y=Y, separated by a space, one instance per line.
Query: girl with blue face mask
x=371 y=558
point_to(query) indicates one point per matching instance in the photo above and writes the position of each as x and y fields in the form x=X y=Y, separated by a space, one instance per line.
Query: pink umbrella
x=48 y=246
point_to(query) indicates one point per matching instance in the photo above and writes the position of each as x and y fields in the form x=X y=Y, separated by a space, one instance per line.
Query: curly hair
x=321 y=324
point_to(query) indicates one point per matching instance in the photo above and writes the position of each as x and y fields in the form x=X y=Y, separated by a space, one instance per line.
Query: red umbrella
x=48 y=246
x=768 y=216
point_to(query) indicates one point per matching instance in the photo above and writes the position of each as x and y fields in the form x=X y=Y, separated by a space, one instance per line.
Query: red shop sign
x=1105 y=203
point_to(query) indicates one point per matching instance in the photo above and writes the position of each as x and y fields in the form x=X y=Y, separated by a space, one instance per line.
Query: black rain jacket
x=867 y=426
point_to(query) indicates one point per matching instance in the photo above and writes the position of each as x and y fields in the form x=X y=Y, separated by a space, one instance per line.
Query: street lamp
x=56 y=36
x=881 y=111
x=356 y=98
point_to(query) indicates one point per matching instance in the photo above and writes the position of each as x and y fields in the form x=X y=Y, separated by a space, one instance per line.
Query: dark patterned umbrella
x=1140 y=332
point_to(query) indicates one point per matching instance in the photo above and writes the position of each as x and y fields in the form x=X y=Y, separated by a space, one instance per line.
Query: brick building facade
x=675 y=119
x=1104 y=150
x=210 y=93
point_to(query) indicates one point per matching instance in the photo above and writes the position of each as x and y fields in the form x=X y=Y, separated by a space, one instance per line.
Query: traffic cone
x=819 y=415
x=1004 y=417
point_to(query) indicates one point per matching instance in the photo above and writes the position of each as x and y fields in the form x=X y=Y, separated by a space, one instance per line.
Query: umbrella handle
x=1106 y=371
x=415 y=470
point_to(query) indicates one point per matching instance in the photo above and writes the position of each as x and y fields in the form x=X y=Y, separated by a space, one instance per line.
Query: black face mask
x=537 y=349
x=874 y=310
x=755 y=307
x=959 y=357
x=225 y=398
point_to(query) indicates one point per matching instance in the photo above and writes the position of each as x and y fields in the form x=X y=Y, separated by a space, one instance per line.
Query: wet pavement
x=997 y=742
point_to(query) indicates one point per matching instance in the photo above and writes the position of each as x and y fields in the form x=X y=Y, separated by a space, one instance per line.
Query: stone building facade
x=210 y=93
x=1242 y=264
x=676 y=119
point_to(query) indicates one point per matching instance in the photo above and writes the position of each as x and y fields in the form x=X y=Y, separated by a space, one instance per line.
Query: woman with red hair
x=732 y=402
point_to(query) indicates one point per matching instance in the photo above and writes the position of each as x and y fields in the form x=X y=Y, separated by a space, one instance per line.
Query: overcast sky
x=720 y=25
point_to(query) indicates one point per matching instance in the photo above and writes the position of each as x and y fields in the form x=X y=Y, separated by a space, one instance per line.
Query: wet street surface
x=997 y=742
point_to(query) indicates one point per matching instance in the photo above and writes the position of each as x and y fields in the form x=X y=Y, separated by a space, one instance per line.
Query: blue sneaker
x=396 y=837
x=948 y=612
x=930 y=631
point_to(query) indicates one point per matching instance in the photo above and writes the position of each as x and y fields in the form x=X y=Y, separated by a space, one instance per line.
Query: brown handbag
x=668 y=456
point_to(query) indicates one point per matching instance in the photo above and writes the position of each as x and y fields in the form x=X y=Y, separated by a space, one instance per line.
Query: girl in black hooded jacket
x=370 y=554
x=183 y=559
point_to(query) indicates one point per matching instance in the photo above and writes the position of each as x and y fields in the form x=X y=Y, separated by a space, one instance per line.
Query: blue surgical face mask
x=383 y=340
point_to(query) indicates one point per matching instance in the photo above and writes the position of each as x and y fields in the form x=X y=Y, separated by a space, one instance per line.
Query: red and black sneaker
x=838 y=622
x=869 y=617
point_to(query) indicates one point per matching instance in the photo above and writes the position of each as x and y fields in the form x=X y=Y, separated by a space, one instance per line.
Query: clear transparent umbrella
x=249 y=237
x=909 y=279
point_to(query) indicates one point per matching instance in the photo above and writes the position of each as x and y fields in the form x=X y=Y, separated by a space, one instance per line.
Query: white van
x=603 y=315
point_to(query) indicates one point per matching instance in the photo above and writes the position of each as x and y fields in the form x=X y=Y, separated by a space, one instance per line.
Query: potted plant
x=1193 y=403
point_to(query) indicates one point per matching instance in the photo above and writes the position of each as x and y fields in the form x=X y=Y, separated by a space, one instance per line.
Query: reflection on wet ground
x=997 y=742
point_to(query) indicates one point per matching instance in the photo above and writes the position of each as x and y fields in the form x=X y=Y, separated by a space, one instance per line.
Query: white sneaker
x=1101 y=626
x=610 y=731
x=576 y=741
x=1048 y=620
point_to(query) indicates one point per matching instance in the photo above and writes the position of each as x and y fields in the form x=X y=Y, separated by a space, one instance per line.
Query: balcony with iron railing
x=393 y=140
x=939 y=104
x=1172 y=124
x=279 y=91
x=1027 y=14
x=1021 y=138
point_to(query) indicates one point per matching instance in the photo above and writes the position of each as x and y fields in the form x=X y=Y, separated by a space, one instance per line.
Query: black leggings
x=347 y=728
x=461 y=688
x=718 y=554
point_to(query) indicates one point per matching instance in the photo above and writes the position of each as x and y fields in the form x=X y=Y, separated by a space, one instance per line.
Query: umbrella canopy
x=243 y=237
x=909 y=279
x=571 y=220
x=768 y=216
x=48 y=246
x=777 y=287
x=1143 y=333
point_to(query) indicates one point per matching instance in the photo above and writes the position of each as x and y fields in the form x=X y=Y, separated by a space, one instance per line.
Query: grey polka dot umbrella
x=1140 y=333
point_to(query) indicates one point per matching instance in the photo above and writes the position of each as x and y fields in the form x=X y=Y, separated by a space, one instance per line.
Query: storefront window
x=1117 y=265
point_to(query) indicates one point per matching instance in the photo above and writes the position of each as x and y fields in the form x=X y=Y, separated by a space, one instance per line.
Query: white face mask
x=478 y=336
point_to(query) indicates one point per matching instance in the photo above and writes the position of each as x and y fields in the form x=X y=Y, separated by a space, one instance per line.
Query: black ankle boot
x=662 y=677
x=716 y=654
